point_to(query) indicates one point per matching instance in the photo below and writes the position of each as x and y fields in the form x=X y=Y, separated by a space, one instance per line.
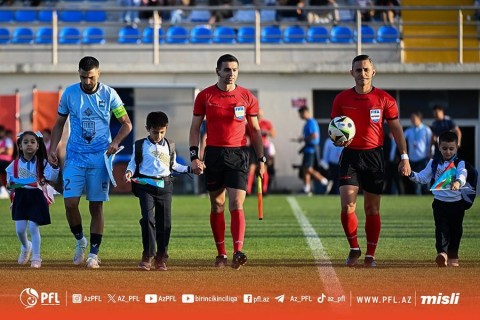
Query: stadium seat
x=69 y=35
x=368 y=34
x=128 y=35
x=6 y=16
x=200 y=34
x=271 y=34
x=294 y=34
x=45 y=15
x=147 y=35
x=95 y=16
x=25 y=16
x=224 y=34
x=177 y=35
x=388 y=34
x=317 y=34
x=93 y=35
x=4 y=35
x=341 y=34
x=22 y=35
x=70 y=16
x=246 y=34
x=43 y=35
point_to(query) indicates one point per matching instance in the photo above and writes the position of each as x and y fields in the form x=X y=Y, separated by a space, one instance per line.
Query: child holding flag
x=150 y=169
x=30 y=193
x=448 y=206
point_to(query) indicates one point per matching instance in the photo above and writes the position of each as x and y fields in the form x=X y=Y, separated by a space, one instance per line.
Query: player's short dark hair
x=362 y=57
x=438 y=107
x=302 y=109
x=88 y=63
x=226 y=58
x=448 y=136
x=157 y=119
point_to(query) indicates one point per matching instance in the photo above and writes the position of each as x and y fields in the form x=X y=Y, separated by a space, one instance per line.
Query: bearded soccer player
x=361 y=162
x=89 y=105
x=226 y=107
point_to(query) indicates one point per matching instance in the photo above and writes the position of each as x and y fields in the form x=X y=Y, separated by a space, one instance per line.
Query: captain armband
x=119 y=112
x=193 y=153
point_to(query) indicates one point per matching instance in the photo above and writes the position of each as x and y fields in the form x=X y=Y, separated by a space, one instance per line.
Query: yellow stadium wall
x=437 y=43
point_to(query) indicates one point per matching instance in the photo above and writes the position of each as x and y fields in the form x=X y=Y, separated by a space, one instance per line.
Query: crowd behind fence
x=91 y=24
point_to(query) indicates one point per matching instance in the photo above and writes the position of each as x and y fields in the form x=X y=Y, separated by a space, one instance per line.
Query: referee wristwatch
x=262 y=159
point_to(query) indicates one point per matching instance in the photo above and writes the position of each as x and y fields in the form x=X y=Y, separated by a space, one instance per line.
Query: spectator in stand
x=323 y=16
x=367 y=11
x=164 y=15
x=388 y=15
x=297 y=14
x=419 y=139
x=180 y=16
x=441 y=124
x=476 y=15
x=219 y=15
x=130 y=17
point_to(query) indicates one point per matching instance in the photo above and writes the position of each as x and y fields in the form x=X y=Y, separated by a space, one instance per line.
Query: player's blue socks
x=77 y=231
x=95 y=241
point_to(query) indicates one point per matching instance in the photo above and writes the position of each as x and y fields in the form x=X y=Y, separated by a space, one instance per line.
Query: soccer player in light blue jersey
x=90 y=105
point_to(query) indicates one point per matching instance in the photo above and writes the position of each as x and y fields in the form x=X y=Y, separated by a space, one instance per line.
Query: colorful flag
x=446 y=178
x=48 y=191
x=153 y=182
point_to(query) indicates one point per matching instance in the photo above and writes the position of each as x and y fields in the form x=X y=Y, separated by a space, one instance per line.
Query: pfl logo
x=29 y=298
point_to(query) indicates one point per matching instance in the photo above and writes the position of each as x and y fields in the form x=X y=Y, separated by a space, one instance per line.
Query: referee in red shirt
x=226 y=107
x=361 y=163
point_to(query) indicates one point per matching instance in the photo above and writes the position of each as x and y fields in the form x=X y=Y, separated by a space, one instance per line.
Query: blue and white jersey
x=155 y=160
x=90 y=115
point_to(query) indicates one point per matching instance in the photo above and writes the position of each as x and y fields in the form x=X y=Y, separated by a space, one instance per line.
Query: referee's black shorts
x=363 y=168
x=226 y=167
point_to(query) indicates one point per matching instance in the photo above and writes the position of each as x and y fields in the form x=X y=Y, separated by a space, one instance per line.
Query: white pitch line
x=325 y=268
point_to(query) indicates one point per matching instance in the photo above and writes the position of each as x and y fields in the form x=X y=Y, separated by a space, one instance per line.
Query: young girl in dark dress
x=27 y=179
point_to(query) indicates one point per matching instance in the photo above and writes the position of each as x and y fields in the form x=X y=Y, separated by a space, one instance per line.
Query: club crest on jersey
x=88 y=112
x=240 y=112
x=101 y=104
x=375 y=115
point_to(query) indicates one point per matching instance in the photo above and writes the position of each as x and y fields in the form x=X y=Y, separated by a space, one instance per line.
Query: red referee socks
x=217 y=222
x=350 y=226
x=237 y=227
x=372 y=229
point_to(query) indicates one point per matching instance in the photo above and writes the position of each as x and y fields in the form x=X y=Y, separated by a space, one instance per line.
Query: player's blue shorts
x=308 y=160
x=85 y=172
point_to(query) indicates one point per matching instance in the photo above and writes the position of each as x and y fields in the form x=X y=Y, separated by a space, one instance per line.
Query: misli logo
x=29 y=297
x=440 y=299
